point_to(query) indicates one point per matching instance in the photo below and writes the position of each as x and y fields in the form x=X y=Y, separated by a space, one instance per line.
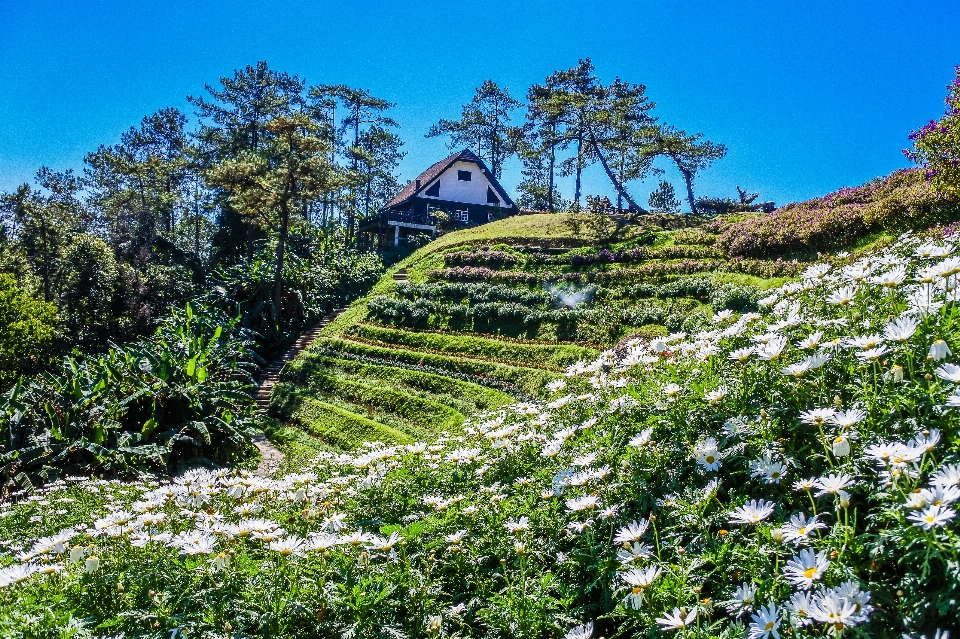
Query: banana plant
x=185 y=393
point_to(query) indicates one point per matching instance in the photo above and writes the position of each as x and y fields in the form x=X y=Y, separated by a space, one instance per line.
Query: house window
x=461 y=216
x=463 y=176
x=492 y=197
x=433 y=191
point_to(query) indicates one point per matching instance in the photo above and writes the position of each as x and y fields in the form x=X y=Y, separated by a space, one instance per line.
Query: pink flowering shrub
x=900 y=201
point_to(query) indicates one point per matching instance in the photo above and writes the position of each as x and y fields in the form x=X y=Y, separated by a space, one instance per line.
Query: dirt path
x=270 y=456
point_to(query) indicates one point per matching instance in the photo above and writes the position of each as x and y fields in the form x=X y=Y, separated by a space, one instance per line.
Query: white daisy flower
x=765 y=623
x=939 y=350
x=932 y=517
x=753 y=512
x=806 y=567
x=679 y=618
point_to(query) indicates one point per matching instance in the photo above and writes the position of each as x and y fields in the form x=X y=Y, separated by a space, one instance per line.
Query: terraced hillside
x=485 y=316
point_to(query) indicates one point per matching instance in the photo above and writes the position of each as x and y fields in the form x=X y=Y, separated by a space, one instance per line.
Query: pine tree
x=664 y=199
x=485 y=125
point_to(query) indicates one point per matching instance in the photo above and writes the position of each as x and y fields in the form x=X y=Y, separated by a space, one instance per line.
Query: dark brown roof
x=425 y=178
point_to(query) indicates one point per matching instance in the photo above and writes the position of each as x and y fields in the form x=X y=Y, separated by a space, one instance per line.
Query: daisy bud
x=895 y=373
x=777 y=534
x=844 y=500
x=92 y=565
x=76 y=554
x=841 y=446
x=938 y=350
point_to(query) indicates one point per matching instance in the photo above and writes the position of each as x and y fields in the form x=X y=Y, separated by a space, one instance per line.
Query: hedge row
x=900 y=201
x=474 y=292
x=759 y=268
x=498 y=259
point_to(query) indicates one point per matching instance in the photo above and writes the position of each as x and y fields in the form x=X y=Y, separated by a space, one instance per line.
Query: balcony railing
x=409 y=217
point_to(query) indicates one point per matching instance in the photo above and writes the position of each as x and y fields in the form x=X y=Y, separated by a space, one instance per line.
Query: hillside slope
x=488 y=315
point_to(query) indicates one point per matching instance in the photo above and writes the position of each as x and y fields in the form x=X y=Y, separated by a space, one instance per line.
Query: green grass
x=463 y=396
x=334 y=426
x=529 y=380
x=299 y=448
x=555 y=358
x=417 y=416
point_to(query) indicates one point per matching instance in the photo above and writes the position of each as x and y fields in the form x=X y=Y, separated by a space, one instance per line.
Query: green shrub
x=28 y=328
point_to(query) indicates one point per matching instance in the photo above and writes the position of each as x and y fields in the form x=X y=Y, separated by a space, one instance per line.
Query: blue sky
x=808 y=96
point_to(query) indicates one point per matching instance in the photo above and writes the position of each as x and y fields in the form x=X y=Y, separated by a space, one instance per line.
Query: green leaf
x=148 y=427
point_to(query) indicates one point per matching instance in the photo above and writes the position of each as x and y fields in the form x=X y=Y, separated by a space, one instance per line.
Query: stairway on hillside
x=270 y=457
x=400 y=276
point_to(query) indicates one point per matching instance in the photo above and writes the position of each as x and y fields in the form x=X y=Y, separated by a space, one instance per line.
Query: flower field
x=792 y=470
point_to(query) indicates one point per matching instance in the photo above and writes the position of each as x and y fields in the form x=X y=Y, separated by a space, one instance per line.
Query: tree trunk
x=576 y=192
x=553 y=159
x=613 y=179
x=278 y=267
x=688 y=179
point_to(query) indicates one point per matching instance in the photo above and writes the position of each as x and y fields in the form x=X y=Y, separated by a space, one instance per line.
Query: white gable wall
x=456 y=190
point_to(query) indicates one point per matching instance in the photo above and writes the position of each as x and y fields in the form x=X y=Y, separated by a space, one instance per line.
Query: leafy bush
x=151 y=405
x=317 y=279
x=481 y=258
x=28 y=328
x=936 y=146
x=474 y=292
x=401 y=312
x=759 y=268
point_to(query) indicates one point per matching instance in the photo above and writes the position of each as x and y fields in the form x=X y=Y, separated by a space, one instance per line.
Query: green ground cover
x=419 y=417
x=463 y=396
x=337 y=427
x=529 y=355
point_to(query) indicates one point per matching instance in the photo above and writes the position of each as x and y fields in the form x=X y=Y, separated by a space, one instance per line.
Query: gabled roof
x=428 y=176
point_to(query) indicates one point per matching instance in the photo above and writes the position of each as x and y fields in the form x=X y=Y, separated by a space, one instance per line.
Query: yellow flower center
x=769 y=626
x=809 y=573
